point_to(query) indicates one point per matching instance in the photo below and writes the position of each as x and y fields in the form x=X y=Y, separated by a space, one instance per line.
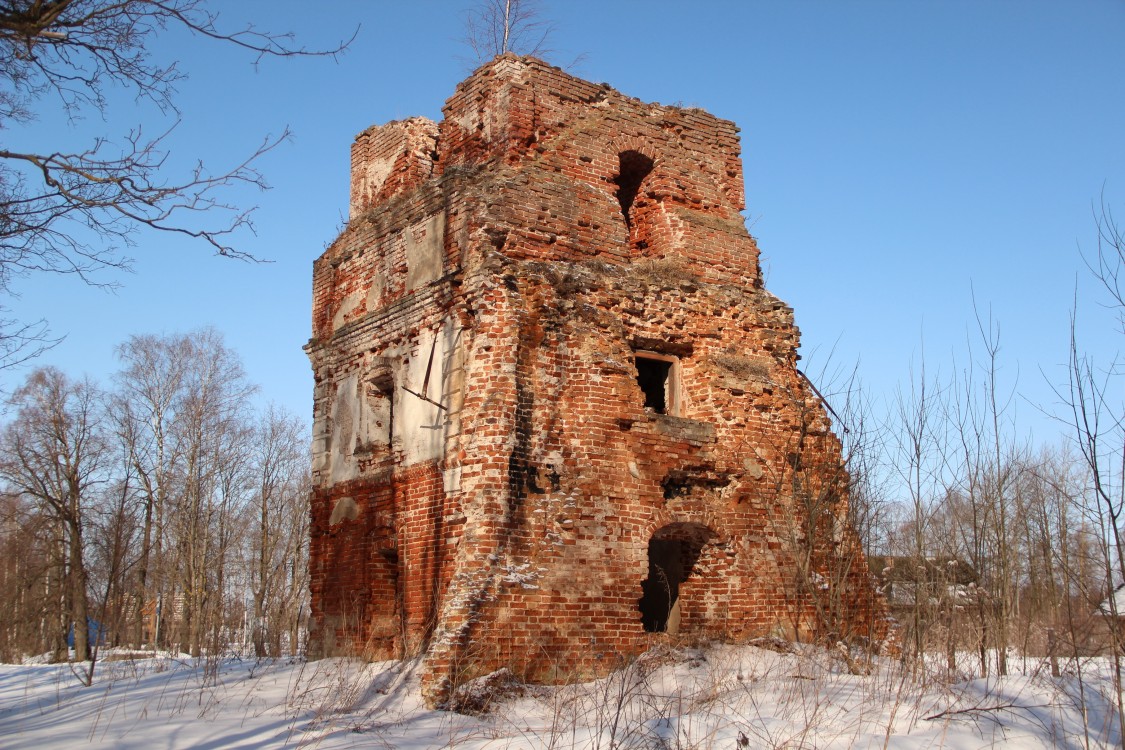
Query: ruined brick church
x=557 y=417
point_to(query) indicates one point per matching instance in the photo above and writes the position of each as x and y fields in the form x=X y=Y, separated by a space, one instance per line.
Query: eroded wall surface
x=557 y=416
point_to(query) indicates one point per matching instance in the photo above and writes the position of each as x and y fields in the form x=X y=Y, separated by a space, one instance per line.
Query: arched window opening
x=634 y=168
x=673 y=552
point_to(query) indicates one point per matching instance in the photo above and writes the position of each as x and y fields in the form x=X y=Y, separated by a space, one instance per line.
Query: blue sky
x=900 y=159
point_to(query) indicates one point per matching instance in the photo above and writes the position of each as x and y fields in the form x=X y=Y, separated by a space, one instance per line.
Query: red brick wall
x=525 y=544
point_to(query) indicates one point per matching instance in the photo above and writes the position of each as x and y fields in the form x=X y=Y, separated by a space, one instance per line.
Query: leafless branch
x=75 y=49
x=71 y=211
x=976 y=711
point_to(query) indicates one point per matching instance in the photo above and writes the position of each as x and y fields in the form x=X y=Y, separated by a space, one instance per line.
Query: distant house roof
x=911 y=569
x=1114 y=603
x=909 y=580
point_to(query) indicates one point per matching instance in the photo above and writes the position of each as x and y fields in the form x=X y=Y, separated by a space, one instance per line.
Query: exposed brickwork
x=490 y=487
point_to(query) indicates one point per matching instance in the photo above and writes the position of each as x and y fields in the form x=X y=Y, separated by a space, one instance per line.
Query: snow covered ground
x=720 y=697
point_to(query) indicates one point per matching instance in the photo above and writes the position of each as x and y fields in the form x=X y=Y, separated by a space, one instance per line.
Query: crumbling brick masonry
x=558 y=419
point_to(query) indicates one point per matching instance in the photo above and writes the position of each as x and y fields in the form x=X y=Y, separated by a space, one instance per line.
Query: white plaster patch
x=345 y=418
x=452 y=479
x=753 y=468
x=344 y=509
x=420 y=424
x=425 y=251
x=347 y=306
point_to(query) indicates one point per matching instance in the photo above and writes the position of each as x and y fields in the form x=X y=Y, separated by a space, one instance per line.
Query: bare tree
x=112 y=532
x=69 y=210
x=53 y=453
x=1097 y=415
x=30 y=605
x=987 y=462
x=150 y=386
x=166 y=511
x=279 y=547
x=212 y=412
x=1064 y=583
x=183 y=413
x=495 y=27
x=919 y=447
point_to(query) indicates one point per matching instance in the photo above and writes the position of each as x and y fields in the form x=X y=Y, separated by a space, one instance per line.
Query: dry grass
x=662 y=272
x=745 y=368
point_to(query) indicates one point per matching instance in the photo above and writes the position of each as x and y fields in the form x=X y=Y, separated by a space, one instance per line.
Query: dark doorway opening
x=673 y=552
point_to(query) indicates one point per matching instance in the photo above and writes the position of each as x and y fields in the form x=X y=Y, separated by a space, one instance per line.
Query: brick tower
x=557 y=416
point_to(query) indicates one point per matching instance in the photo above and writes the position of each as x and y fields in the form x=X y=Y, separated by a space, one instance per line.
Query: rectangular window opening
x=657 y=375
x=379 y=416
